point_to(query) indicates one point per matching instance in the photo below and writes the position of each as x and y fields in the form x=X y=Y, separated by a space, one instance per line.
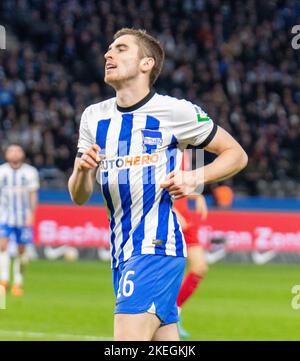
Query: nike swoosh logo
x=263 y=257
x=213 y=257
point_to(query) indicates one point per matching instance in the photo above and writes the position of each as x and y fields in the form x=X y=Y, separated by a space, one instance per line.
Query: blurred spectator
x=233 y=58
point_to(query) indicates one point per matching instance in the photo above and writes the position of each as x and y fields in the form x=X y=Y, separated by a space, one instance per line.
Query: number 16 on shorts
x=126 y=285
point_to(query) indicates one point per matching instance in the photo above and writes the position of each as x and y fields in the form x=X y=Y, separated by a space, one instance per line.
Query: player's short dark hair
x=149 y=47
x=14 y=144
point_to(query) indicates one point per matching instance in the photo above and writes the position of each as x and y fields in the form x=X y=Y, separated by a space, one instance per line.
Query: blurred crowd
x=233 y=58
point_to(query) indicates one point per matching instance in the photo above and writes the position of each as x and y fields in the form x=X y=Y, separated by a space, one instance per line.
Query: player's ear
x=147 y=64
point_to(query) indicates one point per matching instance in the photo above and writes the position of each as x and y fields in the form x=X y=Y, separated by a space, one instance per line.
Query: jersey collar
x=138 y=104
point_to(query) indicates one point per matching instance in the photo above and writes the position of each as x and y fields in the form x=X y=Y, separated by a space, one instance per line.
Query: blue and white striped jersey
x=15 y=187
x=142 y=144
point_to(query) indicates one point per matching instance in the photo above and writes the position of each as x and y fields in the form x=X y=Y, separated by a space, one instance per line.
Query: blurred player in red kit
x=197 y=265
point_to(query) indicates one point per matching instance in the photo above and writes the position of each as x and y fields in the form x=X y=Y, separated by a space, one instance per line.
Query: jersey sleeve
x=192 y=126
x=85 y=140
x=34 y=180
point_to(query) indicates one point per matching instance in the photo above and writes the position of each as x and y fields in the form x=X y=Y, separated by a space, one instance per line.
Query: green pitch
x=75 y=301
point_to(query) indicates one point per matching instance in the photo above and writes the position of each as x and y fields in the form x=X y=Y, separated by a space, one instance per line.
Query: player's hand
x=91 y=158
x=180 y=183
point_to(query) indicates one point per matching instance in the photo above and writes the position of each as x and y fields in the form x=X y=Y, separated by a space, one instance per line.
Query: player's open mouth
x=110 y=66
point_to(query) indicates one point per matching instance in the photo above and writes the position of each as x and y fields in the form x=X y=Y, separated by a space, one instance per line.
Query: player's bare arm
x=231 y=159
x=201 y=206
x=81 y=182
x=33 y=199
x=183 y=221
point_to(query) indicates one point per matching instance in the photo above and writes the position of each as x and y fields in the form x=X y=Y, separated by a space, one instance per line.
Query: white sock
x=18 y=277
x=4 y=266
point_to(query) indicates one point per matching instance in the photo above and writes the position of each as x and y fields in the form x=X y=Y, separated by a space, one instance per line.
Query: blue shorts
x=23 y=235
x=149 y=283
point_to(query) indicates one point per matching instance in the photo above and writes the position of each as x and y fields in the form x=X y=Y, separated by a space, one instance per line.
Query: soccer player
x=19 y=183
x=197 y=265
x=132 y=144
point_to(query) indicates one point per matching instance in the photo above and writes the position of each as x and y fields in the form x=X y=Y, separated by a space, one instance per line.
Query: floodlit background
x=239 y=61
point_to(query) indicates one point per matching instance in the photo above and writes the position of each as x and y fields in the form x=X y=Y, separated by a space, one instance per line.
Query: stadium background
x=234 y=59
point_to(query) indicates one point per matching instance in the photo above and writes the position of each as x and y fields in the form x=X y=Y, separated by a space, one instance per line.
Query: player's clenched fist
x=90 y=158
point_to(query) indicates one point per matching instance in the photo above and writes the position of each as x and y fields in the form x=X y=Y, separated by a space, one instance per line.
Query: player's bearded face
x=122 y=61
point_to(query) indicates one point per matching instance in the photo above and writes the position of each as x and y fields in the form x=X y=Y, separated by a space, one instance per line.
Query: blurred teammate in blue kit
x=19 y=183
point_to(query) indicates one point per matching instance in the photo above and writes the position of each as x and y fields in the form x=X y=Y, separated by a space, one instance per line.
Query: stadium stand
x=233 y=58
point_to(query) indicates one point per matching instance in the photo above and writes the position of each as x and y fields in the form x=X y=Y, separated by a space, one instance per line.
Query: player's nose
x=108 y=55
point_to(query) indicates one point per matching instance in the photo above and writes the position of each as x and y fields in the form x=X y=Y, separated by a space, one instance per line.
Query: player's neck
x=128 y=97
x=15 y=166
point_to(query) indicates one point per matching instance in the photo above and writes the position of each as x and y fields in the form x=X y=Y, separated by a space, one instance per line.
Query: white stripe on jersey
x=15 y=187
x=170 y=245
x=111 y=149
